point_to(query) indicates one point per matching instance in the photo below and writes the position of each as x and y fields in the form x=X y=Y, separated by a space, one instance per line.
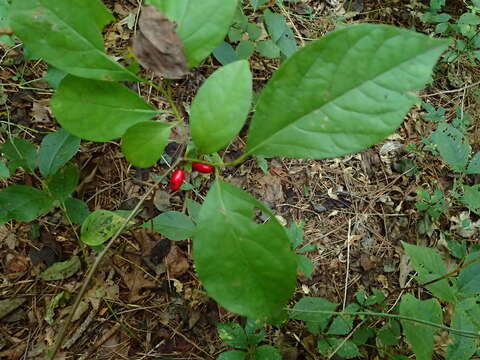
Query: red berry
x=177 y=179
x=202 y=168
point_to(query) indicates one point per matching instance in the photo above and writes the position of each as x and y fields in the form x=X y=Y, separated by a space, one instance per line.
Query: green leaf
x=429 y=266
x=245 y=49
x=225 y=53
x=143 y=143
x=173 y=224
x=193 y=209
x=466 y=317
x=100 y=226
x=389 y=334
x=201 y=28
x=98 y=110
x=305 y=265
x=266 y=352
x=362 y=334
x=257 y=3
x=9 y=305
x=77 y=210
x=254 y=31
x=280 y=32
x=307 y=309
x=452 y=145
x=4 y=172
x=268 y=49
x=474 y=165
x=56 y=150
x=20 y=153
x=246 y=267
x=471 y=197
x=62 y=270
x=349 y=350
x=342 y=93
x=221 y=106
x=64 y=182
x=67 y=34
x=418 y=335
x=23 y=203
x=254 y=331
x=343 y=324
x=54 y=77
x=233 y=335
x=233 y=355
x=59 y=299
x=468 y=280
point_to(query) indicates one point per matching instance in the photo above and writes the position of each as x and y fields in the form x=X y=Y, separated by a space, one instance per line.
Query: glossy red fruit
x=177 y=179
x=202 y=168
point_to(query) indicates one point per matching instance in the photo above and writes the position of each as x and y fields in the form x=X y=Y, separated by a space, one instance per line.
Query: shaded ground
x=146 y=302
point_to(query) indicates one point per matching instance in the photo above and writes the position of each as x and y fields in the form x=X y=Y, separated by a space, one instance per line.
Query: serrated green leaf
x=67 y=34
x=55 y=151
x=144 y=143
x=98 y=110
x=221 y=106
x=307 y=310
x=225 y=53
x=4 y=172
x=474 y=165
x=471 y=198
x=349 y=350
x=342 y=93
x=341 y=325
x=267 y=352
x=172 y=224
x=201 y=28
x=62 y=270
x=429 y=266
x=233 y=355
x=280 y=32
x=233 y=335
x=452 y=145
x=418 y=335
x=20 y=153
x=468 y=280
x=305 y=265
x=23 y=203
x=77 y=210
x=100 y=226
x=466 y=317
x=362 y=334
x=234 y=34
x=254 y=331
x=64 y=182
x=246 y=267
x=254 y=31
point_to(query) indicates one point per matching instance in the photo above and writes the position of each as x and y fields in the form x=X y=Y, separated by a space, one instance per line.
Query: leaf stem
x=98 y=260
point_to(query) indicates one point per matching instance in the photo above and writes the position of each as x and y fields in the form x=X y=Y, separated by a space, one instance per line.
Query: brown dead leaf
x=157 y=45
x=176 y=262
x=271 y=189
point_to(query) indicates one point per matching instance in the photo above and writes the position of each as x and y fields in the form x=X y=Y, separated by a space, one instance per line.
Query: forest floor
x=356 y=209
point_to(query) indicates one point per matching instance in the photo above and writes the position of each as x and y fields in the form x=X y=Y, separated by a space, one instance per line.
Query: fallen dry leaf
x=176 y=262
x=157 y=45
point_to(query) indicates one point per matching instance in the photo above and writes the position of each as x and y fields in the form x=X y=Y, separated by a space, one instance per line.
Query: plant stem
x=98 y=260
x=470 y=334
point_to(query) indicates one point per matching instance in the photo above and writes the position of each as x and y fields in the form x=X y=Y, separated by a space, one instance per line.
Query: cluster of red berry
x=178 y=176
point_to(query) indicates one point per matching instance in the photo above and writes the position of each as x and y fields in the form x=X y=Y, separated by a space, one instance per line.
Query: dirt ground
x=145 y=301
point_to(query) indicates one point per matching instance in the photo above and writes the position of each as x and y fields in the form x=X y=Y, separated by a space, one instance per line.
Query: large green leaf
x=471 y=197
x=466 y=317
x=67 y=34
x=23 y=203
x=100 y=226
x=20 y=153
x=56 y=150
x=172 y=224
x=201 y=28
x=221 y=107
x=343 y=92
x=98 y=110
x=429 y=266
x=418 y=335
x=143 y=143
x=248 y=268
